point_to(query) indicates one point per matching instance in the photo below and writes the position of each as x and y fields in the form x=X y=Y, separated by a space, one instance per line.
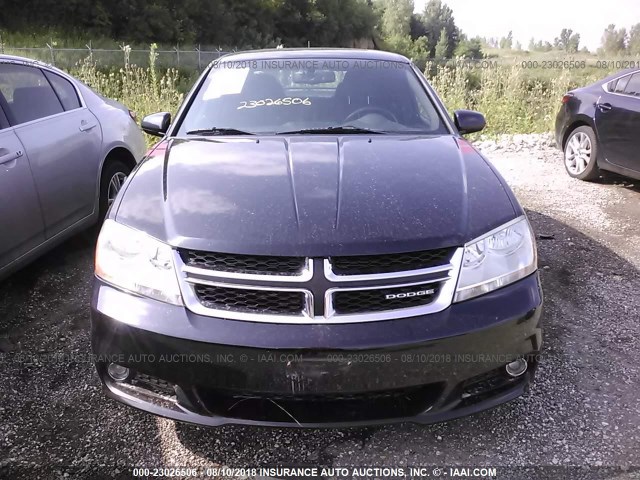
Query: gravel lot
x=583 y=409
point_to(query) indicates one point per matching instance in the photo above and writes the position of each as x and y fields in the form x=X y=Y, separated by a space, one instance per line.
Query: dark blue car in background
x=598 y=127
x=316 y=244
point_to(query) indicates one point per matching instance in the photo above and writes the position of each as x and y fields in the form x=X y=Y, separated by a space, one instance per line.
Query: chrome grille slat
x=290 y=299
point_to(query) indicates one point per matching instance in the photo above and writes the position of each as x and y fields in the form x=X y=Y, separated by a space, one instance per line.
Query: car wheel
x=580 y=154
x=113 y=177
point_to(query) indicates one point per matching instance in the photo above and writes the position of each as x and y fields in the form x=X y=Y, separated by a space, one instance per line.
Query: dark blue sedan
x=598 y=127
x=316 y=245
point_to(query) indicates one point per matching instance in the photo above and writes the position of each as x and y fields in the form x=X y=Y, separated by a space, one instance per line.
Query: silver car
x=65 y=151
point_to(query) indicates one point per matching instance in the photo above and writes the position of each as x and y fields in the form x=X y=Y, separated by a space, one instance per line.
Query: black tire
x=112 y=169
x=573 y=165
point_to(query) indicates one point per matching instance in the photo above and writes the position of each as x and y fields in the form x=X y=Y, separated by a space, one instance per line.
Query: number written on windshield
x=268 y=102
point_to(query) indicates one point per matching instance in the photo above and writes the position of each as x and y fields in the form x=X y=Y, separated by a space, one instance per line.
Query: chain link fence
x=68 y=58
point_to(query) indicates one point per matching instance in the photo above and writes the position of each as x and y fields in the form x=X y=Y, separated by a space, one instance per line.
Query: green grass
x=520 y=92
x=142 y=89
x=512 y=101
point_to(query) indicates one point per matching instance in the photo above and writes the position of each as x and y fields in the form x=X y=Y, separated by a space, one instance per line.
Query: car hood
x=316 y=195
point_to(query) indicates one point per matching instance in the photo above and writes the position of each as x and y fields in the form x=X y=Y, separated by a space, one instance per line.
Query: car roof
x=36 y=63
x=619 y=74
x=312 y=53
x=16 y=59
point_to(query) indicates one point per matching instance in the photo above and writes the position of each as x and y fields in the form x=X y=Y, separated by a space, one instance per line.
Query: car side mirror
x=468 y=121
x=156 y=124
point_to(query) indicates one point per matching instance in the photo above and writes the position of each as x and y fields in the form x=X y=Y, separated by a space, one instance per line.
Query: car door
x=20 y=215
x=62 y=139
x=618 y=122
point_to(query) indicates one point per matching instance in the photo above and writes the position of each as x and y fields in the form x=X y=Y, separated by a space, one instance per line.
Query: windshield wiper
x=218 y=131
x=346 y=129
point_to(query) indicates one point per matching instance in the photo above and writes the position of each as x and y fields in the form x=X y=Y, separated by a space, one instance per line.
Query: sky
x=541 y=19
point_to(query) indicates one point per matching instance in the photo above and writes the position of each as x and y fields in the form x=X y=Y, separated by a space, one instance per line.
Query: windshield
x=316 y=95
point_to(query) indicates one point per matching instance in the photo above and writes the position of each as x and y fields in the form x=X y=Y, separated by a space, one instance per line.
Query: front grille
x=315 y=408
x=275 y=302
x=248 y=264
x=362 y=301
x=395 y=262
x=291 y=289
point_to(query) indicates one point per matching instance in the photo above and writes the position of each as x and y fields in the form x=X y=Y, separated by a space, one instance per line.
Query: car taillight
x=567 y=97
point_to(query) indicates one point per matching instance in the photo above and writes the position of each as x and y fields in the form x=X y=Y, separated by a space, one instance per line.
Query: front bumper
x=213 y=371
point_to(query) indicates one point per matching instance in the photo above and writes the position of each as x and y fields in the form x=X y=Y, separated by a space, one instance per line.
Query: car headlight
x=137 y=262
x=496 y=259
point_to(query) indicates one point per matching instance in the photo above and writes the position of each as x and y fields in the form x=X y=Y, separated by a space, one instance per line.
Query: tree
x=417 y=27
x=568 y=41
x=634 y=40
x=338 y=22
x=563 y=42
x=442 y=47
x=420 y=52
x=469 y=48
x=229 y=23
x=614 y=41
x=506 y=43
x=574 y=43
x=396 y=19
x=437 y=17
x=401 y=44
x=416 y=50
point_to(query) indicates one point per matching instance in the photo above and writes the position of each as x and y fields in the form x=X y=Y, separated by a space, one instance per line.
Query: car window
x=270 y=96
x=65 y=90
x=621 y=85
x=633 y=86
x=28 y=94
x=4 y=121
